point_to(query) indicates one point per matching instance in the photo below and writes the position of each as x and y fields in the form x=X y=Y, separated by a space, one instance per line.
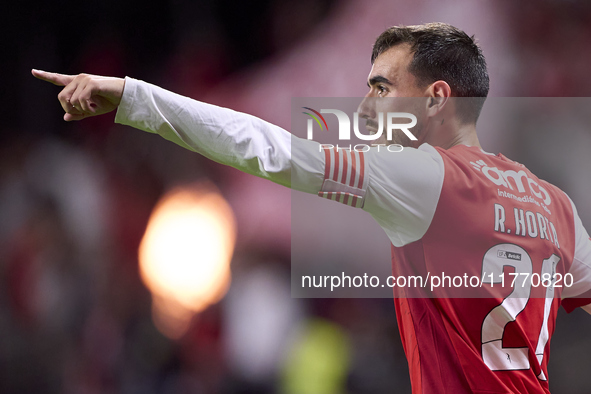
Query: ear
x=438 y=94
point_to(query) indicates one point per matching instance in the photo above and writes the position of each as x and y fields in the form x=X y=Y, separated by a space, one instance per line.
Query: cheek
x=418 y=109
x=383 y=105
x=391 y=104
x=400 y=105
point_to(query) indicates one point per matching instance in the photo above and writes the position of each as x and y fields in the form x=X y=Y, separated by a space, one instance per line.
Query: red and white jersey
x=461 y=210
x=464 y=211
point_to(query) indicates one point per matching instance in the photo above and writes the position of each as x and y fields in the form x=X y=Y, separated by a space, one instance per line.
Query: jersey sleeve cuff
x=127 y=102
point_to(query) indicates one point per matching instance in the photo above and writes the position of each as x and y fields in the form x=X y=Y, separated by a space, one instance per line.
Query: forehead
x=393 y=64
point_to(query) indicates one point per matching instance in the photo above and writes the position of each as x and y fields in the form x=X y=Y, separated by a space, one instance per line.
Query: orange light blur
x=185 y=255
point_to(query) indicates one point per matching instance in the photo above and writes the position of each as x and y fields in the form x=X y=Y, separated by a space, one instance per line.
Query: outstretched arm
x=401 y=202
x=223 y=135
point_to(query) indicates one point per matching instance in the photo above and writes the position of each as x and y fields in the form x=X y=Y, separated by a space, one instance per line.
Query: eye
x=381 y=89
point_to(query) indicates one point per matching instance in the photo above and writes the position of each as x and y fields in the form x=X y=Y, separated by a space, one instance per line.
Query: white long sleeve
x=223 y=135
x=400 y=190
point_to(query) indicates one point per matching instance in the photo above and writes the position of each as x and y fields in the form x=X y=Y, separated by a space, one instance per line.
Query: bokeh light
x=185 y=255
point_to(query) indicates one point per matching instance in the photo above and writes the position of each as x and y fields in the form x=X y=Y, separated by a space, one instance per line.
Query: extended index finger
x=54 y=78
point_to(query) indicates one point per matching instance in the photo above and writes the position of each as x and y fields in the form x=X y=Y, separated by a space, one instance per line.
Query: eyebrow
x=378 y=79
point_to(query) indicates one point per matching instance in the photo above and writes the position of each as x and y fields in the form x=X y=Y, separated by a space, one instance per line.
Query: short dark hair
x=443 y=52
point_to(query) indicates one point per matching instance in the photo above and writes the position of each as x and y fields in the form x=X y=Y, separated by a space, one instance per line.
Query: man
x=443 y=202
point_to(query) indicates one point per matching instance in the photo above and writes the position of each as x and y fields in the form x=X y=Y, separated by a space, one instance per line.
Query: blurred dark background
x=75 y=198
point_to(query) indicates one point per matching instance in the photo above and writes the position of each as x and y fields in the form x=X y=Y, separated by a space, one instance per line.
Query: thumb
x=54 y=78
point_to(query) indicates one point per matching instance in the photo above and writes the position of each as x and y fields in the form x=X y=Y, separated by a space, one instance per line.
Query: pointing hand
x=85 y=95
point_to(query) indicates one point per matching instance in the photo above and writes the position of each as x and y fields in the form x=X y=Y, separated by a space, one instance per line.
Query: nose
x=366 y=108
